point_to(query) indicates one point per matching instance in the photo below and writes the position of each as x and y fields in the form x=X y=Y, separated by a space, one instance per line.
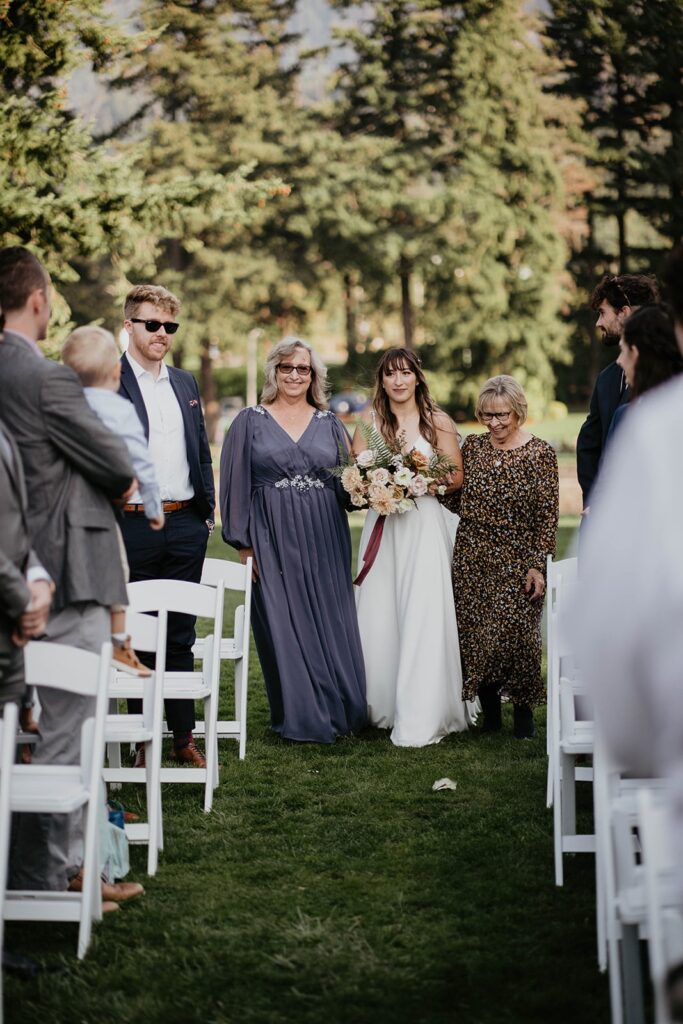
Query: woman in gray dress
x=281 y=506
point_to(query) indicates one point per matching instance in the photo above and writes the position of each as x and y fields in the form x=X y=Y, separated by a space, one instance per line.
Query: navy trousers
x=175 y=553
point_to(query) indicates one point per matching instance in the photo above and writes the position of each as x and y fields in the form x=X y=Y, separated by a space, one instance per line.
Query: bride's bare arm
x=448 y=445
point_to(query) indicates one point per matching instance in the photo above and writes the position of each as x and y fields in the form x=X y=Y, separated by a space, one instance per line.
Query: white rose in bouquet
x=379 y=476
x=403 y=476
x=405 y=505
x=418 y=485
x=366 y=458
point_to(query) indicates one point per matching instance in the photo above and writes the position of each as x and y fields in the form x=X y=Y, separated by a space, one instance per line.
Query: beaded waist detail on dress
x=299 y=483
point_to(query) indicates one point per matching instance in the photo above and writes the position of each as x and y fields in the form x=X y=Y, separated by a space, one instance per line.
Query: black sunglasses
x=154 y=325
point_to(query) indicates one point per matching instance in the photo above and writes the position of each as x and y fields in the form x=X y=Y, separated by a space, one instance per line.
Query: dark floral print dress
x=508 y=509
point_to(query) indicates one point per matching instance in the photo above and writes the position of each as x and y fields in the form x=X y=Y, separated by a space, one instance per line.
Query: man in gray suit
x=74 y=467
x=25 y=587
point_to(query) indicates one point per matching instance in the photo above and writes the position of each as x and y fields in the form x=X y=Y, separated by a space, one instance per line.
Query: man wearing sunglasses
x=614 y=299
x=167 y=402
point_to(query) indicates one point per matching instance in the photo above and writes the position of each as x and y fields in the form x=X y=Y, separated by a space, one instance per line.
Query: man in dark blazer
x=25 y=586
x=614 y=299
x=73 y=468
x=167 y=402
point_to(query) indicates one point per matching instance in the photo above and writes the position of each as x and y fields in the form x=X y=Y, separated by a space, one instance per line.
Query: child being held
x=93 y=354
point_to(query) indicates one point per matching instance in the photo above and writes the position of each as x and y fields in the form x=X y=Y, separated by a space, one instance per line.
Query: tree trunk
x=350 y=318
x=622 y=187
x=176 y=258
x=406 y=305
x=207 y=388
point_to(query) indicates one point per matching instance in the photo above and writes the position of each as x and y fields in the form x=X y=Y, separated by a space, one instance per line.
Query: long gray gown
x=278 y=496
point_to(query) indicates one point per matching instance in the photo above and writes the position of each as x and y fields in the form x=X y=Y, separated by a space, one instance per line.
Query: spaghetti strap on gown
x=279 y=498
x=408 y=628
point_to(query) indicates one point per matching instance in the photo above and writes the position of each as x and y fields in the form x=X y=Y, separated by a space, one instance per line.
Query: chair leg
x=241 y=705
x=91 y=876
x=614 y=965
x=210 y=751
x=557 y=828
x=568 y=795
x=151 y=759
x=632 y=976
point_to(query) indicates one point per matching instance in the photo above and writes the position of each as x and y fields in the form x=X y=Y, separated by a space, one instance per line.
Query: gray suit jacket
x=73 y=466
x=16 y=555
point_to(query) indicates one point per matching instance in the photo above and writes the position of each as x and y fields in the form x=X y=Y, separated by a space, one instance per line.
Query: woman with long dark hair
x=406 y=612
x=648 y=355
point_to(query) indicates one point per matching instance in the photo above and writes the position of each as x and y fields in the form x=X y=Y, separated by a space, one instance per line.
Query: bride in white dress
x=405 y=606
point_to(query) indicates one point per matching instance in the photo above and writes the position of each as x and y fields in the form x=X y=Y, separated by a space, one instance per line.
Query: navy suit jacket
x=609 y=393
x=196 y=442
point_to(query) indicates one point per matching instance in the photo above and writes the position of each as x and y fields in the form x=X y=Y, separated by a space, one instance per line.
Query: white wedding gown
x=408 y=628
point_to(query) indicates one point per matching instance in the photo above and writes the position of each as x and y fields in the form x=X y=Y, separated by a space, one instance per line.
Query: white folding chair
x=63 y=789
x=561 y=579
x=621 y=902
x=664 y=904
x=8 y=739
x=574 y=738
x=147 y=633
x=203 y=685
x=232 y=576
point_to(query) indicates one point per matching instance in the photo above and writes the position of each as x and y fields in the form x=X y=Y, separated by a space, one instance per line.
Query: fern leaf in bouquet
x=376 y=443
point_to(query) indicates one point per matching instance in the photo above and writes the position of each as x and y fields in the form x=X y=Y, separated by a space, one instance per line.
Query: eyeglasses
x=489 y=417
x=154 y=325
x=288 y=368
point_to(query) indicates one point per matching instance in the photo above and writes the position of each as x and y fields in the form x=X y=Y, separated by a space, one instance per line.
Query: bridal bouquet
x=388 y=480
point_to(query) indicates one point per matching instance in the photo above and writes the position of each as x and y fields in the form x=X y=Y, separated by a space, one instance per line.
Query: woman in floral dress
x=508 y=509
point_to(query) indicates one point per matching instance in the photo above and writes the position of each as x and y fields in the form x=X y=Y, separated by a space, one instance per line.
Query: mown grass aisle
x=330 y=884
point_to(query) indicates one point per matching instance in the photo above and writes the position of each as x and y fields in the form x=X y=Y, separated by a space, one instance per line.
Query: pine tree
x=68 y=198
x=497 y=283
x=397 y=87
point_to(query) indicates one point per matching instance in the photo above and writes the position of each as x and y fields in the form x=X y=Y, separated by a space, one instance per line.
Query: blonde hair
x=318 y=389
x=503 y=386
x=153 y=293
x=92 y=353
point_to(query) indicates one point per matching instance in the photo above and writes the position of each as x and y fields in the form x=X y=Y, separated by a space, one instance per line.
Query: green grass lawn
x=330 y=884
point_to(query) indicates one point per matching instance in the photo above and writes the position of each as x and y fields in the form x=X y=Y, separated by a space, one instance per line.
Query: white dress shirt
x=166 y=434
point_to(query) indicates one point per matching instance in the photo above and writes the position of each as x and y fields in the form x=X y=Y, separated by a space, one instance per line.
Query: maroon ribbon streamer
x=371 y=550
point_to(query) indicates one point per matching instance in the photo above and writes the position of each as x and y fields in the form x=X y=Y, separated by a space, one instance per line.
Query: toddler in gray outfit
x=93 y=354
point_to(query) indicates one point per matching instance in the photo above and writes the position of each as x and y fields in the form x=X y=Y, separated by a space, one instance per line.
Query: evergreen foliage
x=68 y=198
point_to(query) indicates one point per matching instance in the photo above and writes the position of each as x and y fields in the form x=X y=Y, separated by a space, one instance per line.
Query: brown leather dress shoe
x=189 y=754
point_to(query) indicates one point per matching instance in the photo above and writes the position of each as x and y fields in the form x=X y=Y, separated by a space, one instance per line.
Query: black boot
x=523 y=723
x=490 y=706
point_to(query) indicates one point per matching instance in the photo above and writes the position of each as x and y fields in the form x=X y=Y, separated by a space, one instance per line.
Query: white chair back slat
x=219 y=570
x=173 y=596
x=143 y=630
x=62 y=667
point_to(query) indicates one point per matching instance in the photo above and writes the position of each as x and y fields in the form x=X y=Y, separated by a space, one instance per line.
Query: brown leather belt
x=168 y=506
